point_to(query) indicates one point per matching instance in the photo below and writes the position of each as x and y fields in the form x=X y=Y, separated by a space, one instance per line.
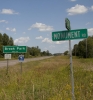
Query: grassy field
x=47 y=79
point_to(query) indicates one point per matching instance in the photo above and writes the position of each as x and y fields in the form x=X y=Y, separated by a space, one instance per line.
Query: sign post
x=21 y=59
x=7 y=56
x=67 y=24
x=70 y=35
x=14 y=49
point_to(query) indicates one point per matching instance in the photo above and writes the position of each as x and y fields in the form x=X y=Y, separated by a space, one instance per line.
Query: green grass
x=47 y=79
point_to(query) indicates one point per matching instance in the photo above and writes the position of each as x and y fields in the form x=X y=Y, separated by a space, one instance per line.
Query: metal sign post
x=21 y=67
x=7 y=67
x=21 y=59
x=70 y=35
x=67 y=24
x=7 y=56
x=71 y=69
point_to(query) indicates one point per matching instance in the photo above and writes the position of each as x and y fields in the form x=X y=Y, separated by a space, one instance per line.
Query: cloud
x=24 y=32
x=60 y=42
x=7 y=28
x=73 y=0
x=21 y=40
x=41 y=27
x=45 y=49
x=3 y=21
x=92 y=8
x=47 y=40
x=88 y=23
x=40 y=37
x=52 y=46
x=13 y=29
x=77 y=9
x=90 y=31
x=8 y=11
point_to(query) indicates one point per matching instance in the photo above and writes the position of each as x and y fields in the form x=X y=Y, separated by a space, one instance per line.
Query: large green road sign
x=14 y=49
x=69 y=35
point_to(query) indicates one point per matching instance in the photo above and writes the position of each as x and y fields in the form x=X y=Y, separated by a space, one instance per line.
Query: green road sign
x=69 y=35
x=14 y=49
x=67 y=24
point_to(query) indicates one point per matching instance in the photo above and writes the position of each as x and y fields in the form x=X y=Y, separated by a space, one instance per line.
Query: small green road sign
x=67 y=24
x=14 y=49
x=69 y=35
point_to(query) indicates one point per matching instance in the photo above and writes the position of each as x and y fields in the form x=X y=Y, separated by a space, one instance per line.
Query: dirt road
x=13 y=62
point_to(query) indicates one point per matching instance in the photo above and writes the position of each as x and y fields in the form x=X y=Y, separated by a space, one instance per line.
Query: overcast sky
x=31 y=22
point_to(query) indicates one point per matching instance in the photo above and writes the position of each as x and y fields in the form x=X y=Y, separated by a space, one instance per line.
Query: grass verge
x=47 y=79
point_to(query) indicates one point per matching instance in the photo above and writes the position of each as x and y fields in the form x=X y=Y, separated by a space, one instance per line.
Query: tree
x=1 y=38
x=66 y=53
x=5 y=39
x=1 y=46
x=11 y=42
x=81 y=48
x=35 y=51
x=75 y=50
x=90 y=47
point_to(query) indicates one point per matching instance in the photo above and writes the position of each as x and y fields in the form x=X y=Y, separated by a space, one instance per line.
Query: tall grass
x=47 y=79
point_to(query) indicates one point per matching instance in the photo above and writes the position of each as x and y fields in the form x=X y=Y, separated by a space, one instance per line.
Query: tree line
x=84 y=49
x=5 y=40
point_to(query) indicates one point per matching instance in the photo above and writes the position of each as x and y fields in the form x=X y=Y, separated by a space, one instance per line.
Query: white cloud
x=21 y=40
x=40 y=37
x=47 y=40
x=7 y=28
x=77 y=9
x=60 y=42
x=88 y=23
x=90 y=31
x=3 y=21
x=52 y=46
x=73 y=0
x=41 y=27
x=24 y=32
x=45 y=49
x=8 y=11
x=92 y=8
x=13 y=29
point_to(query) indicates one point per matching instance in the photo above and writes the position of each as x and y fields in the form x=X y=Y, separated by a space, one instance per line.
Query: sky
x=31 y=22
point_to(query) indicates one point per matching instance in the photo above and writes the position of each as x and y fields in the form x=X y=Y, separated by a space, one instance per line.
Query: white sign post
x=7 y=56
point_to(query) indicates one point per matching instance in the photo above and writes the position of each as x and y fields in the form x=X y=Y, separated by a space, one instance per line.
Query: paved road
x=13 y=62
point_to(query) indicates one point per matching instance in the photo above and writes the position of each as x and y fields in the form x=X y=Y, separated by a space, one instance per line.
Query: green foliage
x=11 y=42
x=1 y=38
x=5 y=40
x=84 y=48
x=66 y=53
